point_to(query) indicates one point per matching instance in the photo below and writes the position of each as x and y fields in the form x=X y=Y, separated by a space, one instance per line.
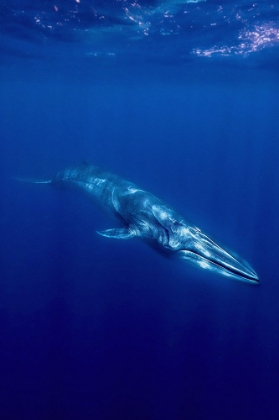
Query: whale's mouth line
x=230 y=270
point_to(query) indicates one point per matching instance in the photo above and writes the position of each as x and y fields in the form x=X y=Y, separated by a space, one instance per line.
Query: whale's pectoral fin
x=120 y=233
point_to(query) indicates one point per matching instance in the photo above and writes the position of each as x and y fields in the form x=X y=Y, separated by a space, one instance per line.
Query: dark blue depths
x=93 y=328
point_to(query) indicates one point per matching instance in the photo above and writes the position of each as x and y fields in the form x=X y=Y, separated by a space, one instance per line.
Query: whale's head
x=199 y=249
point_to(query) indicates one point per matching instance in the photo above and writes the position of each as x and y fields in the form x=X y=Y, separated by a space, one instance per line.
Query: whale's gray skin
x=145 y=216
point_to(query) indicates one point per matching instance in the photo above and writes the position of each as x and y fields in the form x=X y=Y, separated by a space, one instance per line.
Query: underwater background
x=182 y=98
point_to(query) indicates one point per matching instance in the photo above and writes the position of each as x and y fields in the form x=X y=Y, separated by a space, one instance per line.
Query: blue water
x=183 y=101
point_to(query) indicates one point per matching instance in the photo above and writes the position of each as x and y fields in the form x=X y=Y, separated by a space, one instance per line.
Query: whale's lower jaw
x=229 y=266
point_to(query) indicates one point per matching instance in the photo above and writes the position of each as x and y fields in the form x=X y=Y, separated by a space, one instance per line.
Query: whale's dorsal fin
x=117 y=233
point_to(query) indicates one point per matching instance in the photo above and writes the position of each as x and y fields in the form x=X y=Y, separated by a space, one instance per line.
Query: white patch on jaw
x=227 y=273
x=203 y=264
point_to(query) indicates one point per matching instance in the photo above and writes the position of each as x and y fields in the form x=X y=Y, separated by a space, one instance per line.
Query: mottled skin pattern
x=140 y=211
x=144 y=215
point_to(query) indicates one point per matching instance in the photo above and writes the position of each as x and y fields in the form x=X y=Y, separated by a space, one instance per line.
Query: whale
x=140 y=214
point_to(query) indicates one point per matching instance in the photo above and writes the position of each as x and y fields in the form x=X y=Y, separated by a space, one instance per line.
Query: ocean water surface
x=181 y=98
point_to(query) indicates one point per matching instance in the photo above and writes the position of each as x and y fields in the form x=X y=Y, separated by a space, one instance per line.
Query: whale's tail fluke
x=34 y=180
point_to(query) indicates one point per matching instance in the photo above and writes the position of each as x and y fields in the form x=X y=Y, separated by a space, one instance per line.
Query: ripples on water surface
x=167 y=31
